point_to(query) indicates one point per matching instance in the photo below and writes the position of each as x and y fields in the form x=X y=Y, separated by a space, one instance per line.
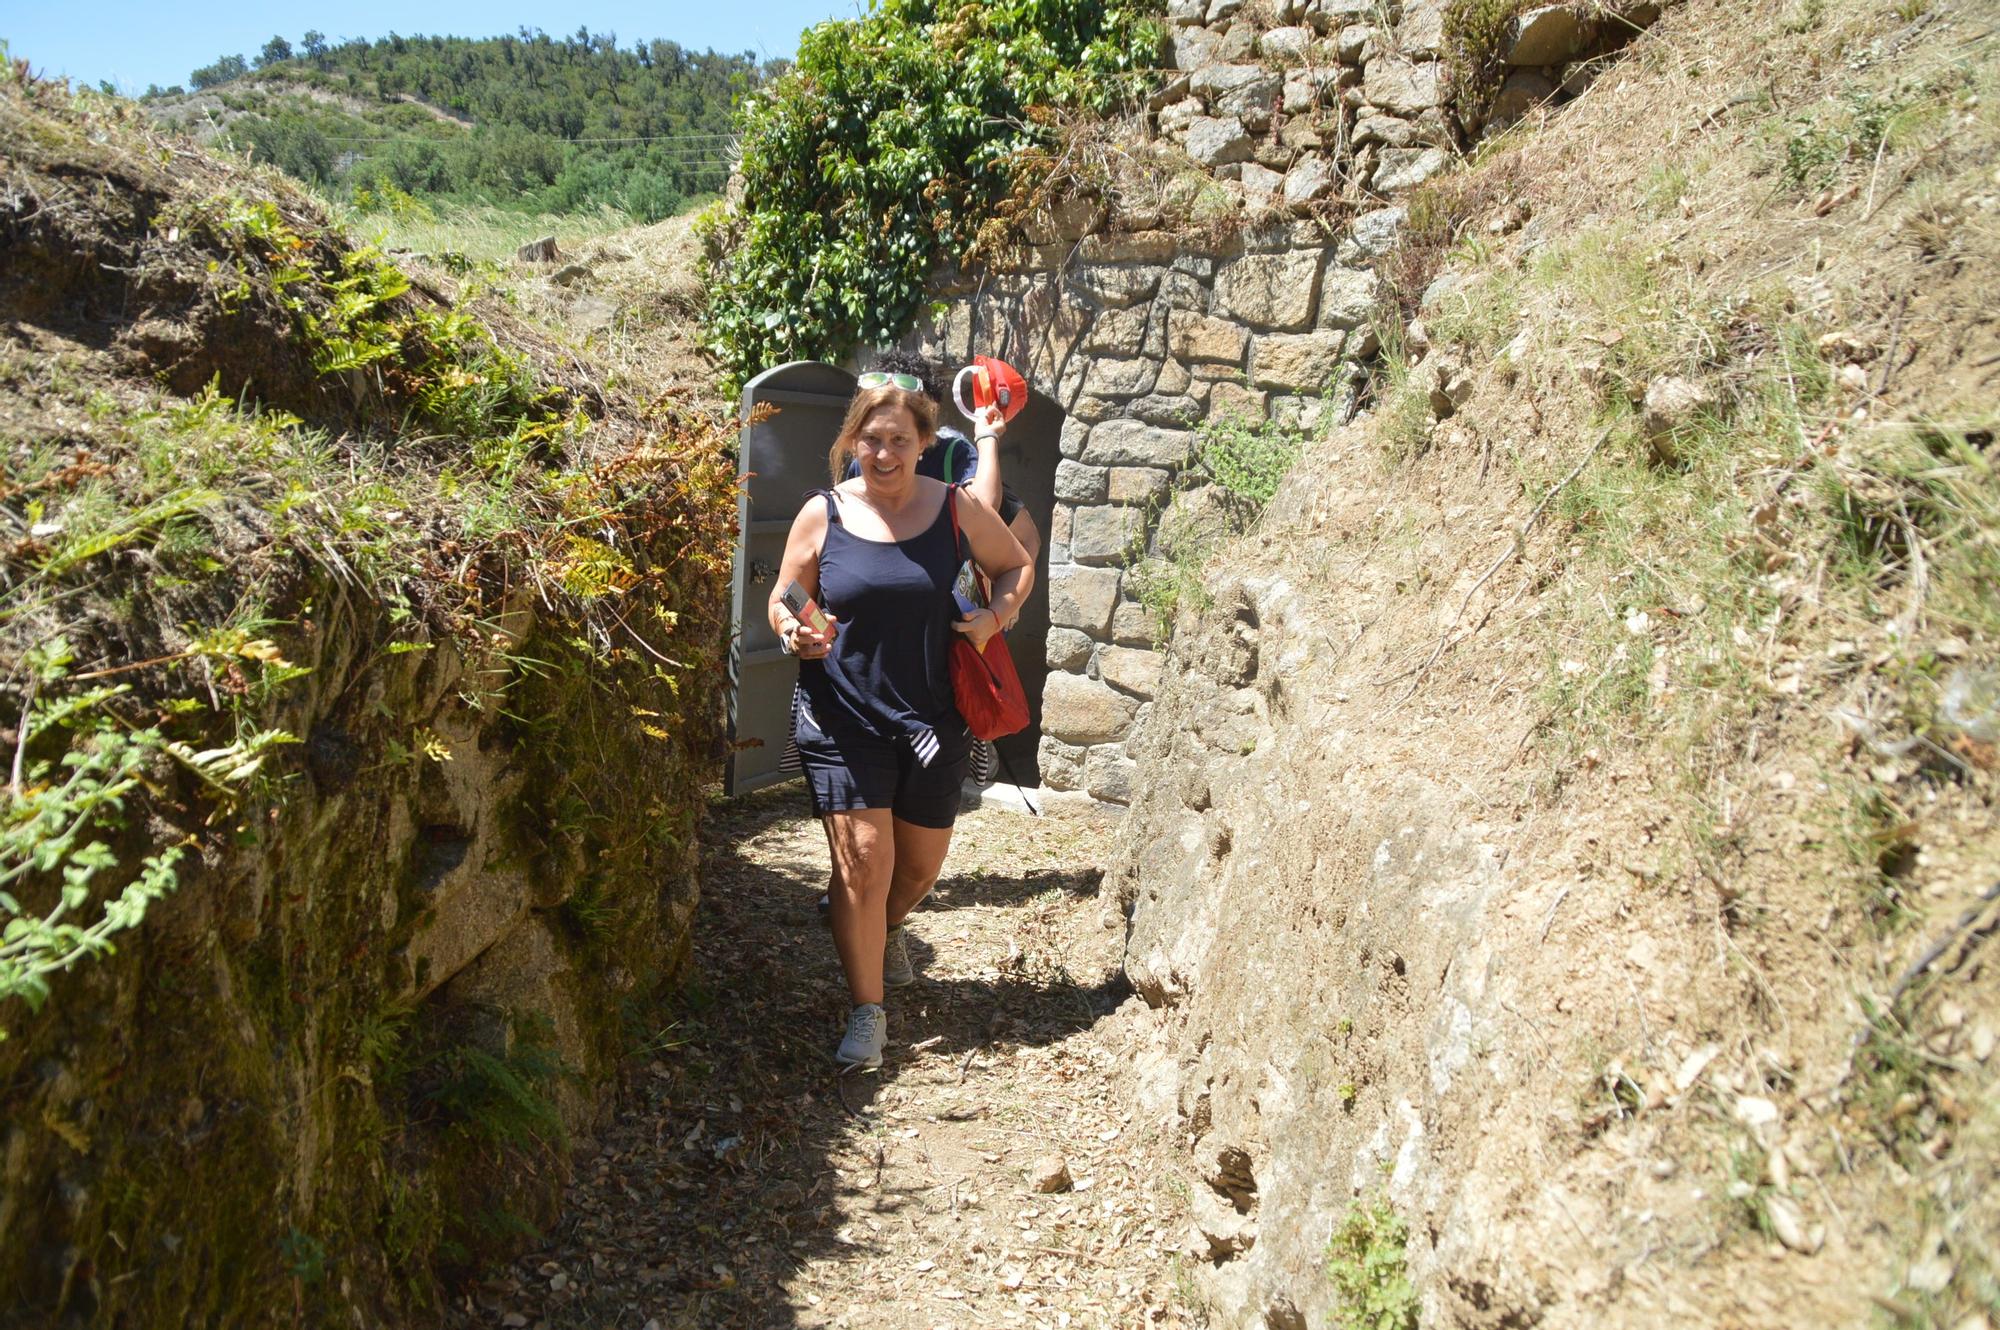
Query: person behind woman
x=973 y=463
x=880 y=739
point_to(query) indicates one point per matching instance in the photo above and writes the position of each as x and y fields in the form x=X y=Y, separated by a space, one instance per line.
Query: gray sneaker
x=897 y=972
x=866 y=1026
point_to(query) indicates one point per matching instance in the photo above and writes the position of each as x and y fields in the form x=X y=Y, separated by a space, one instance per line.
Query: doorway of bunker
x=783 y=458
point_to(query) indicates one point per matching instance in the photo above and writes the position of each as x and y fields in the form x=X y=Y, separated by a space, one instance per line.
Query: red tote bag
x=984 y=683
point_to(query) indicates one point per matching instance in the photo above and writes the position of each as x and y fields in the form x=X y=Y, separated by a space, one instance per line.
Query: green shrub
x=883 y=153
x=1365 y=1262
x=1248 y=461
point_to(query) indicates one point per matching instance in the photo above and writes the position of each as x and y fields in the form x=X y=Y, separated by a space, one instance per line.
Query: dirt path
x=743 y=1184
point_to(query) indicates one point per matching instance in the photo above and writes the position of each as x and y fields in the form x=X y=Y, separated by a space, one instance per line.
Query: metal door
x=783 y=458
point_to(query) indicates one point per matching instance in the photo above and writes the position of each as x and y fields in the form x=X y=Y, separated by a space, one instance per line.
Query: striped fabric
x=925 y=742
x=789 y=763
x=980 y=769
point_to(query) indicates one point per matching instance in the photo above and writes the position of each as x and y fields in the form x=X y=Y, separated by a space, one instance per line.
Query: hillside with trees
x=529 y=121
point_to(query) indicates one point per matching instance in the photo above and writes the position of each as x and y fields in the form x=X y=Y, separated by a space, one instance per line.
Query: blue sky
x=137 y=42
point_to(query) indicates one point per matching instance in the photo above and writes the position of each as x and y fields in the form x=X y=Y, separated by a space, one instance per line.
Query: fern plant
x=58 y=812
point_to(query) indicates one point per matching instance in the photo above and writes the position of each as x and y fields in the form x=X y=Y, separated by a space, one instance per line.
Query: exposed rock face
x=1273 y=291
x=1401 y=87
x=1302 y=363
x=1083 y=598
x=1371 y=895
x=1274 y=92
x=1406 y=168
x=422 y=901
x=1548 y=35
x=1215 y=142
x=445 y=894
x=1522 y=92
x=1086 y=712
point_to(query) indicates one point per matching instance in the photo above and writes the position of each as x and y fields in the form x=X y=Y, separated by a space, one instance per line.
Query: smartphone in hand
x=965 y=591
x=802 y=607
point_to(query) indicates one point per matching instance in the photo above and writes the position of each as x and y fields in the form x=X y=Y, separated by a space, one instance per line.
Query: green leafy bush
x=1248 y=461
x=1821 y=145
x=884 y=152
x=1365 y=1262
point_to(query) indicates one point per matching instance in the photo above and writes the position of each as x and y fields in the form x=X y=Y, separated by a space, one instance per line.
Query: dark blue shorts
x=854 y=769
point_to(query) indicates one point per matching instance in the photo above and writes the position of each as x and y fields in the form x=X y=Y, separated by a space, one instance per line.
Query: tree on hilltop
x=222 y=71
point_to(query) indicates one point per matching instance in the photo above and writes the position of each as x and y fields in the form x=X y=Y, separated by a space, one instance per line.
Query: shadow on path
x=738 y=1157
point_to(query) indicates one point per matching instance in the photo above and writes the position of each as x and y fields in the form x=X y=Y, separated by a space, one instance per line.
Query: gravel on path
x=991 y=1174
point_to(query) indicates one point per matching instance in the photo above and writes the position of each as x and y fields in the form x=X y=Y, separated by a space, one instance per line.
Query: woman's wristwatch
x=785 y=643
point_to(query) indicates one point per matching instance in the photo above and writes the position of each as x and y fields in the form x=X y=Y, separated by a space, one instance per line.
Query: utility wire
x=714 y=140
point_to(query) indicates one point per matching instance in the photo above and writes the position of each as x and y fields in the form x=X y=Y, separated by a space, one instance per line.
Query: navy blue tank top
x=889 y=672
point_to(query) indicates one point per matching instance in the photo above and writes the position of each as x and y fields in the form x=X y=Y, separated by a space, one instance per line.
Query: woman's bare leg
x=864 y=861
x=919 y=858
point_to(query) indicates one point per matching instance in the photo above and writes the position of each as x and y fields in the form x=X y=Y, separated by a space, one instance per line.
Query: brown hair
x=922 y=411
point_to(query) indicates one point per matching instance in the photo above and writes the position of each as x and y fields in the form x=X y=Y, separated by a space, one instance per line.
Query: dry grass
x=481 y=234
x=632 y=315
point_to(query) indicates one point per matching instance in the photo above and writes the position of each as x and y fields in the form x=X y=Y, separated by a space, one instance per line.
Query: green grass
x=1929 y=490
x=482 y=233
x=1481 y=314
x=1166 y=582
x=1402 y=407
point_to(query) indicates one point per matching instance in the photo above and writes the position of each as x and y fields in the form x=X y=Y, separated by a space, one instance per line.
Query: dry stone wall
x=1140 y=337
x=1303 y=120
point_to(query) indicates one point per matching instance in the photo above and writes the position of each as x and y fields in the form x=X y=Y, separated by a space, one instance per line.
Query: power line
x=712 y=140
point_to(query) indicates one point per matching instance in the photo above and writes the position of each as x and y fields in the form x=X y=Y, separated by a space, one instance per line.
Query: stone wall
x=1302 y=121
x=1140 y=338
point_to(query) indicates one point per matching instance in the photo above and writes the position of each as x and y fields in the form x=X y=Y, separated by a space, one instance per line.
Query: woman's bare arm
x=988 y=425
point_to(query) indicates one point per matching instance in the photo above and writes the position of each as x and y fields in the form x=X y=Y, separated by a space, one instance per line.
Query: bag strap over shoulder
x=951 y=506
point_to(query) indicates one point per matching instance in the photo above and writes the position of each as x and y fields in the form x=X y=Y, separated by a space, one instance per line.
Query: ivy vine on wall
x=883 y=151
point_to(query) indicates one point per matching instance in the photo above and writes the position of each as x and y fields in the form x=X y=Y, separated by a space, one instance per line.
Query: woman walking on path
x=880 y=739
x=975 y=464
